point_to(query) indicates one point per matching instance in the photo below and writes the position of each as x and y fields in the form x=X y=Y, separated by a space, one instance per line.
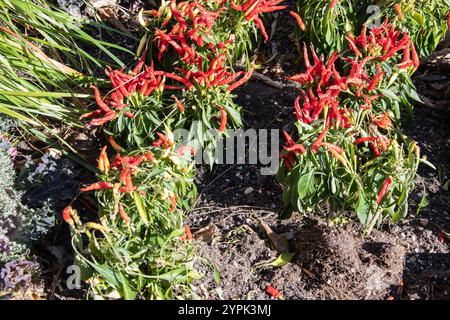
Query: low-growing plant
x=325 y=23
x=185 y=74
x=21 y=279
x=136 y=247
x=351 y=154
x=20 y=225
x=425 y=21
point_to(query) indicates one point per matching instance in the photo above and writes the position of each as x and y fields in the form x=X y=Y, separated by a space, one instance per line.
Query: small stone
x=63 y=3
x=413 y=259
x=248 y=191
x=74 y=11
x=423 y=222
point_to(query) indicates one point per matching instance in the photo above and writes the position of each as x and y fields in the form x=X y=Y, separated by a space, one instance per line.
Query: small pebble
x=74 y=10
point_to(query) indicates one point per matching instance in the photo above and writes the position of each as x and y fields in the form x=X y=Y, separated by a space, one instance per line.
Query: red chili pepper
x=165 y=141
x=296 y=148
x=179 y=104
x=114 y=144
x=66 y=214
x=240 y=82
x=129 y=115
x=157 y=143
x=124 y=215
x=365 y=139
x=306 y=57
x=384 y=123
x=173 y=201
x=333 y=4
x=414 y=56
x=188 y=232
x=398 y=8
x=230 y=78
x=384 y=189
x=318 y=142
x=288 y=160
x=103 y=161
x=407 y=53
x=290 y=142
x=441 y=236
x=260 y=25
x=117 y=98
x=448 y=20
x=352 y=45
x=133 y=162
x=336 y=154
x=139 y=65
x=375 y=149
x=92 y=114
x=97 y=186
x=362 y=39
x=376 y=79
x=406 y=64
x=99 y=99
x=125 y=178
x=273 y=292
x=333 y=146
x=223 y=120
x=149 y=156
x=299 y=20
x=107 y=117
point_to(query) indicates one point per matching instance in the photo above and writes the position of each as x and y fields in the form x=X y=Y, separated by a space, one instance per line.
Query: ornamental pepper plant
x=349 y=141
x=185 y=74
x=136 y=247
x=140 y=246
x=325 y=23
x=426 y=21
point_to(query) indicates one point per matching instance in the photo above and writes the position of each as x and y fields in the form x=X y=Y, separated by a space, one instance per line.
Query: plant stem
x=373 y=221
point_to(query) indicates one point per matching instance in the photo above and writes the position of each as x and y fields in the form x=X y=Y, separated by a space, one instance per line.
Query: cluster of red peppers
x=125 y=167
x=252 y=9
x=385 y=38
x=327 y=87
x=188 y=29
x=185 y=29
x=192 y=28
x=142 y=80
x=343 y=99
